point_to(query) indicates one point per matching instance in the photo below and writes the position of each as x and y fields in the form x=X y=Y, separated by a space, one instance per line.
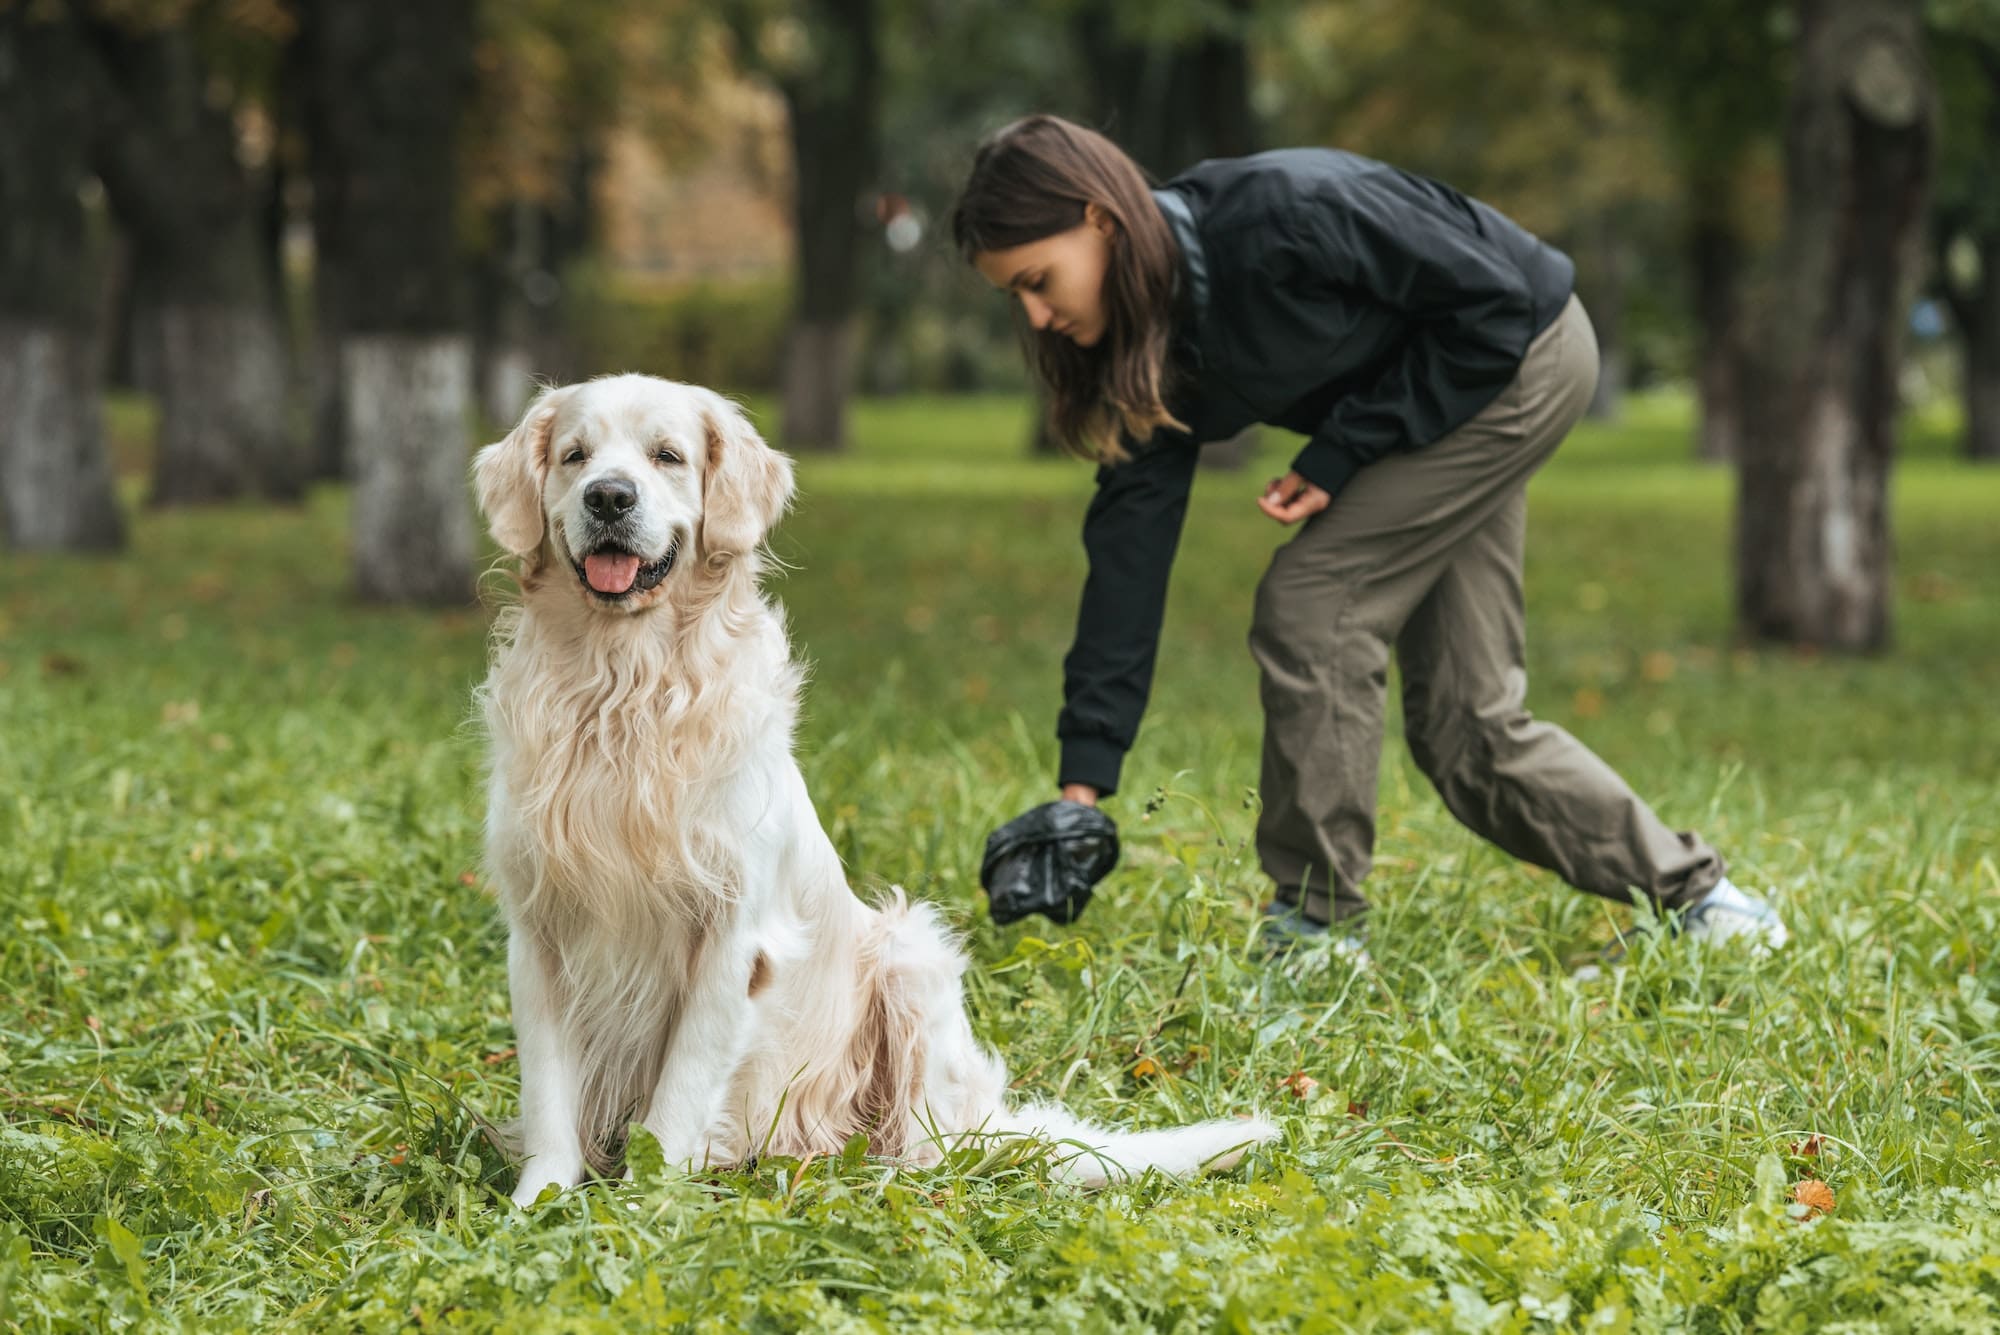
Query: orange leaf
x=1301 y=1085
x=1810 y=1147
x=1145 y=1069
x=1815 y=1195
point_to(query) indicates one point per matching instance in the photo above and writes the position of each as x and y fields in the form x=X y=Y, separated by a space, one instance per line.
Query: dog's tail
x=1094 y=1156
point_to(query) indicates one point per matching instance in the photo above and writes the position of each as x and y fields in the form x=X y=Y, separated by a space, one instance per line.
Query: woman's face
x=1058 y=279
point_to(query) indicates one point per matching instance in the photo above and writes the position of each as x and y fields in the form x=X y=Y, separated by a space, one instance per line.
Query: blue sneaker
x=1286 y=928
x=1726 y=913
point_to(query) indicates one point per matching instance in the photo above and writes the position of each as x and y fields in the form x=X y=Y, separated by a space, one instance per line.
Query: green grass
x=253 y=1011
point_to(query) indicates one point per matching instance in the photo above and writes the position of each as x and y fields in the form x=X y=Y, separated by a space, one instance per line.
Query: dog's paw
x=540 y=1179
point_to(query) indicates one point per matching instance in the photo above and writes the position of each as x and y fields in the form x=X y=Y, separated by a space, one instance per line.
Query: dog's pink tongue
x=610 y=572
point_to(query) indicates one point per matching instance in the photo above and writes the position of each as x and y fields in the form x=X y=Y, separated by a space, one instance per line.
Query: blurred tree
x=824 y=56
x=953 y=72
x=1170 y=82
x=1518 y=102
x=179 y=80
x=1813 y=551
x=555 y=78
x=55 y=476
x=388 y=83
x=1714 y=70
x=1965 y=221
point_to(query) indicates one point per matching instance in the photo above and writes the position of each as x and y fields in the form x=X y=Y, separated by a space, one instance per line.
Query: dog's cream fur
x=684 y=950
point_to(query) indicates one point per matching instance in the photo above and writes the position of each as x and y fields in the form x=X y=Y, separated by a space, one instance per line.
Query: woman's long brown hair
x=1033 y=179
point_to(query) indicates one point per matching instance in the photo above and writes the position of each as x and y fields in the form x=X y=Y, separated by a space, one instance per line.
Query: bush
x=728 y=333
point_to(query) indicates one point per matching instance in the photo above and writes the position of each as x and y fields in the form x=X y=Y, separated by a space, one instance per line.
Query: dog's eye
x=665 y=456
x=573 y=457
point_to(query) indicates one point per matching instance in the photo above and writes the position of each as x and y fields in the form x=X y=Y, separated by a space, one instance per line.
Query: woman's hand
x=1291 y=498
x=1080 y=792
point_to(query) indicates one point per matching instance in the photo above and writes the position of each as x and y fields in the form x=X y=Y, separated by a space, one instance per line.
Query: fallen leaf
x=1301 y=1085
x=1145 y=1069
x=495 y=1058
x=1932 y=587
x=467 y=878
x=1357 y=1109
x=1815 y=1195
x=1810 y=1147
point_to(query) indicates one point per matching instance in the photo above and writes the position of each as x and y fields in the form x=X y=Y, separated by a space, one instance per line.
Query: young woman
x=1434 y=355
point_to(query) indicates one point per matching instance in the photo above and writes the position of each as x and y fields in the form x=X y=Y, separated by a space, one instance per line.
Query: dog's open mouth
x=615 y=573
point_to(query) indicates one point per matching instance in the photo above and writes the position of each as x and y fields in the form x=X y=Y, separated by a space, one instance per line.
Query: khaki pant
x=1422 y=552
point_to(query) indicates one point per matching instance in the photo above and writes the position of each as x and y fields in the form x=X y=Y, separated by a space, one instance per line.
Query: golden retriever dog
x=684 y=951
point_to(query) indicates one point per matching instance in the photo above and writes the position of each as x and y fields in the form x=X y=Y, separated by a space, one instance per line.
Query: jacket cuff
x=1325 y=465
x=1091 y=760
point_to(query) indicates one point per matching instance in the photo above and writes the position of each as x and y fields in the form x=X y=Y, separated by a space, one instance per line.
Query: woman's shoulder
x=1267 y=188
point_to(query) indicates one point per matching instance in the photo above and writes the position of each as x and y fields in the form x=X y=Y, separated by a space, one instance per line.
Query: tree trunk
x=387 y=84
x=1813 y=550
x=817 y=373
x=1607 y=264
x=516 y=309
x=206 y=314
x=56 y=488
x=55 y=477
x=1975 y=312
x=413 y=535
x=1715 y=254
x=327 y=406
x=1232 y=455
x=222 y=379
x=1042 y=442
x=1982 y=359
x=835 y=142
x=319 y=135
x=1170 y=105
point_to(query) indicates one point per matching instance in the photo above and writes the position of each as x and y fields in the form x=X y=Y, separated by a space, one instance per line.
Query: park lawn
x=253 y=1013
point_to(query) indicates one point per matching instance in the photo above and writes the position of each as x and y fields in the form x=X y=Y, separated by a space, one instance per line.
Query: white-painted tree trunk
x=224 y=429
x=507 y=382
x=1232 y=455
x=55 y=474
x=818 y=371
x=406 y=402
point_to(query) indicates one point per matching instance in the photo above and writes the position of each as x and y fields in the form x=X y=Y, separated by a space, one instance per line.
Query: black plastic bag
x=1047 y=860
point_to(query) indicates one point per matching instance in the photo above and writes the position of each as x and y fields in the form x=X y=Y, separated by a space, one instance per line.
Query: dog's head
x=627 y=479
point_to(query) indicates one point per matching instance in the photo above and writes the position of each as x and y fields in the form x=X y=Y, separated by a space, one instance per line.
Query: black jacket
x=1367 y=308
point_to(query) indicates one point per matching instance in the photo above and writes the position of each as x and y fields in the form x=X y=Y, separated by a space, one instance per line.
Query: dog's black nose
x=609 y=497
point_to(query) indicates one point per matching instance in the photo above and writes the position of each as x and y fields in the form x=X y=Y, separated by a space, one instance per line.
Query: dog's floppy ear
x=747 y=486
x=508 y=476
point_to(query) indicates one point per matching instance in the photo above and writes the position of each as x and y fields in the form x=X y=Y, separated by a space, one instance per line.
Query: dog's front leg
x=551 y=1082
x=707 y=1049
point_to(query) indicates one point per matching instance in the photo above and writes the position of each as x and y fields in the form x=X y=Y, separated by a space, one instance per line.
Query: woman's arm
x=1130 y=533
